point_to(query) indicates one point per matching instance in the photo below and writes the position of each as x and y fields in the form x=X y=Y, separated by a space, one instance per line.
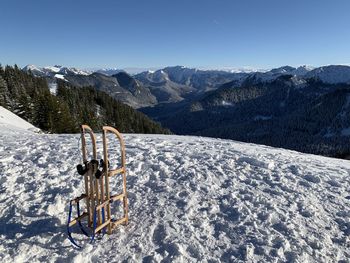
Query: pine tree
x=4 y=93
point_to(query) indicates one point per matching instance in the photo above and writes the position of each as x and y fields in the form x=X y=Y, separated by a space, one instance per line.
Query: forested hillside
x=30 y=98
x=308 y=116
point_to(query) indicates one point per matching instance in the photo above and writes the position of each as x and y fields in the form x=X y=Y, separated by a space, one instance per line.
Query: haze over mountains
x=303 y=108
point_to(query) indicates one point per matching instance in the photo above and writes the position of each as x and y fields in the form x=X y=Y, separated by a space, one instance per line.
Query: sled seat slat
x=75 y=220
x=77 y=199
x=102 y=226
x=120 y=221
x=100 y=206
x=116 y=171
x=117 y=197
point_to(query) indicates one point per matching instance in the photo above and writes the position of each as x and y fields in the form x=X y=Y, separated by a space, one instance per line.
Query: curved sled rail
x=83 y=130
x=87 y=177
x=77 y=220
x=109 y=173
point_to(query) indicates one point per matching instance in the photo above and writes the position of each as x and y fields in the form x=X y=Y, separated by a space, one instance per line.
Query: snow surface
x=53 y=87
x=226 y=103
x=11 y=121
x=191 y=199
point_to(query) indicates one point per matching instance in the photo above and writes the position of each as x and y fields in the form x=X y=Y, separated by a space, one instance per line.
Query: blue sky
x=154 y=33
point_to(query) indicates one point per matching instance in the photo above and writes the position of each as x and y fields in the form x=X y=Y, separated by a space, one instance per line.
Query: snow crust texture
x=192 y=199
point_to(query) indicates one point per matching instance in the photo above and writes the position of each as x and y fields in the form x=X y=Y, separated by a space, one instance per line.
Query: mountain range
x=301 y=108
x=30 y=98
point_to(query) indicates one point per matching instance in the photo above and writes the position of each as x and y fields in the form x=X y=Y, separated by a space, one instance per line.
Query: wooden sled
x=97 y=195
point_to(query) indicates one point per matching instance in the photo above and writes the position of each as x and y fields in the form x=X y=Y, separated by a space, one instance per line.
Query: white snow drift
x=191 y=199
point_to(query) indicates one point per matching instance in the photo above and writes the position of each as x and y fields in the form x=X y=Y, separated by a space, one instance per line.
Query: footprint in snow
x=312 y=178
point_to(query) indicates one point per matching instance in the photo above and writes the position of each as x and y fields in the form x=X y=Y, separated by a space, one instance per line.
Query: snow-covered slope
x=192 y=199
x=10 y=121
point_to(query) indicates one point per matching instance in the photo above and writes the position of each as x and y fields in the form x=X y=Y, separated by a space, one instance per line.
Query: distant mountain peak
x=184 y=75
x=30 y=67
x=109 y=71
x=52 y=71
x=331 y=74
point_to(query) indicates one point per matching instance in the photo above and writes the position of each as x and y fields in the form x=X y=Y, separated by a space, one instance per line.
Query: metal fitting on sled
x=97 y=196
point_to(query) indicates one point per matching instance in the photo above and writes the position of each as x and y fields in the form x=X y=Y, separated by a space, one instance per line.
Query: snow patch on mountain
x=53 y=87
x=59 y=76
x=226 y=103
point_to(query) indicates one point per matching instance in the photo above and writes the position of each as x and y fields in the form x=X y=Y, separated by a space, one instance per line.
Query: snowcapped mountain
x=331 y=74
x=54 y=71
x=109 y=71
x=130 y=70
x=132 y=94
x=176 y=84
x=191 y=199
x=197 y=77
x=273 y=74
x=35 y=70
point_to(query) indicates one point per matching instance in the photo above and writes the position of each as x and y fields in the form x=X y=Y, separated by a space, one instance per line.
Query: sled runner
x=97 y=195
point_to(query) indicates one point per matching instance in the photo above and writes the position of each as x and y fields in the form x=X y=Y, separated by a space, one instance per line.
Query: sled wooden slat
x=100 y=206
x=76 y=200
x=75 y=220
x=112 y=199
x=107 y=223
x=116 y=197
x=116 y=171
x=120 y=221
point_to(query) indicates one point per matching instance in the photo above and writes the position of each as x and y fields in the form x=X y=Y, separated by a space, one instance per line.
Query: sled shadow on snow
x=19 y=232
